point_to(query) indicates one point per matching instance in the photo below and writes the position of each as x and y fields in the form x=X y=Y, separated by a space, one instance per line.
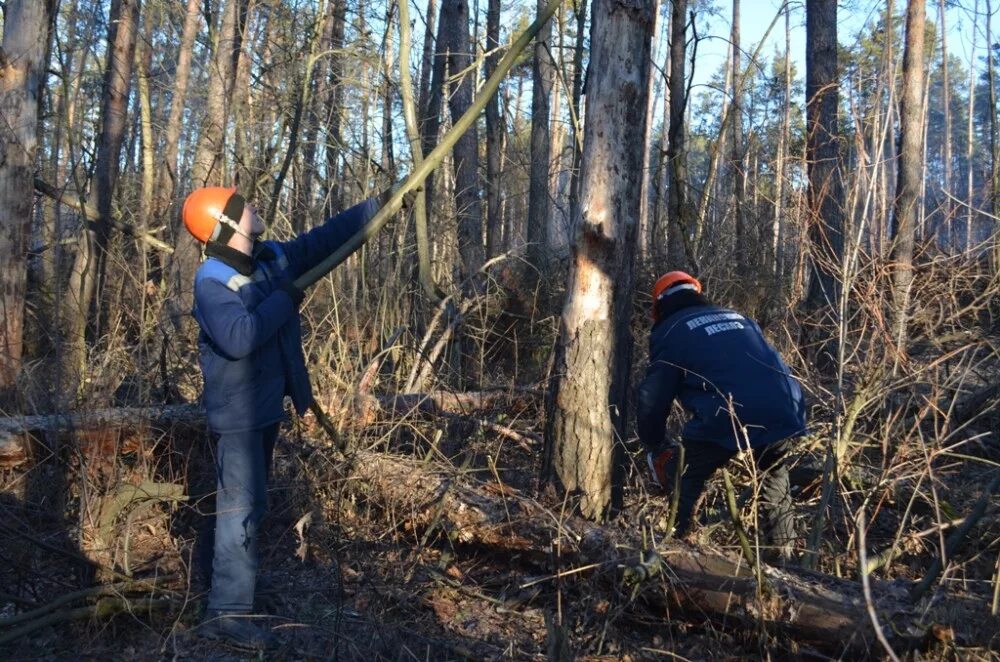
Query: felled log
x=824 y=611
x=16 y=431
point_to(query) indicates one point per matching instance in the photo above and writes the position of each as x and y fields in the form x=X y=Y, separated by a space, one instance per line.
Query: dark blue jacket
x=250 y=342
x=716 y=360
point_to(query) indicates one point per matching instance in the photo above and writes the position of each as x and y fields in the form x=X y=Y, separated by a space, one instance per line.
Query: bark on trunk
x=88 y=265
x=910 y=167
x=206 y=169
x=465 y=155
x=168 y=167
x=494 y=137
x=22 y=65
x=680 y=250
x=825 y=187
x=588 y=404
x=543 y=72
x=946 y=156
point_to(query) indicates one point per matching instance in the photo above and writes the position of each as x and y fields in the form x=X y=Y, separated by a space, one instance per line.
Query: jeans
x=703 y=458
x=243 y=465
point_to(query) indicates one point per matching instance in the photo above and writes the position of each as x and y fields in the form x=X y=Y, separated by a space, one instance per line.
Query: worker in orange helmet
x=738 y=392
x=250 y=345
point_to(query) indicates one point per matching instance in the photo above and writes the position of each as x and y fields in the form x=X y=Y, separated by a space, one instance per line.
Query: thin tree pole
x=779 y=170
x=969 y=145
x=538 y=187
x=946 y=143
x=910 y=167
x=994 y=129
x=413 y=133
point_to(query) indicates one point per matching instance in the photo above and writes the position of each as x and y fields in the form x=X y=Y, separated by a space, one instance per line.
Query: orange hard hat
x=213 y=213
x=670 y=280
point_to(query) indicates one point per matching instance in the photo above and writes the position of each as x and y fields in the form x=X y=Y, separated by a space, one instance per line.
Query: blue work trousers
x=243 y=465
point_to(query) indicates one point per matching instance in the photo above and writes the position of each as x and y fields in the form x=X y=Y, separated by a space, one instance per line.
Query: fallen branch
x=91 y=214
x=826 y=611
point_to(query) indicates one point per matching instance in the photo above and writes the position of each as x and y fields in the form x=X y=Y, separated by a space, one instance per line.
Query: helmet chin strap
x=235 y=227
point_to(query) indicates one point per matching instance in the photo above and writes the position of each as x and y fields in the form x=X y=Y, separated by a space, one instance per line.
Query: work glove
x=294 y=293
x=662 y=466
x=409 y=198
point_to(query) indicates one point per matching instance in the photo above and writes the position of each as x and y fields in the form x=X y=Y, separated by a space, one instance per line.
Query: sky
x=756 y=16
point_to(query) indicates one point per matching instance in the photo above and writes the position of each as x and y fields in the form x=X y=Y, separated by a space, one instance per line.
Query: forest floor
x=347 y=576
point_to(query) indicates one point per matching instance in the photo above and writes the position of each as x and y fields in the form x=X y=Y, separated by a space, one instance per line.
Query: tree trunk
x=645 y=229
x=465 y=156
x=994 y=129
x=88 y=266
x=680 y=248
x=743 y=248
x=574 y=186
x=206 y=169
x=826 y=195
x=22 y=69
x=969 y=144
x=334 y=99
x=168 y=166
x=543 y=72
x=946 y=155
x=430 y=123
x=494 y=137
x=777 y=227
x=910 y=168
x=315 y=119
x=588 y=407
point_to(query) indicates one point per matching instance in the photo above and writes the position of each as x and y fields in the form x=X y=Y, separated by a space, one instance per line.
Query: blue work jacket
x=731 y=382
x=250 y=343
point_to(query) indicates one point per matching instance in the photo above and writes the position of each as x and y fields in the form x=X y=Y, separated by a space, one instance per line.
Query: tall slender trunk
x=910 y=167
x=778 y=225
x=826 y=195
x=334 y=99
x=25 y=46
x=588 y=404
x=171 y=136
x=946 y=156
x=494 y=136
x=543 y=72
x=143 y=61
x=738 y=149
x=994 y=136
x=645 y=231
x=969 y=145
x=681 y=251
x=315 y=118
x=88 y=266
x=430 y=122
x=465 y=155
x=206 y=170
x=574 y=185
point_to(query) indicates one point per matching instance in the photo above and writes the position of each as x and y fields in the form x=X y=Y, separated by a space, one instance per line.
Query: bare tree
x=168 y=164
x=587 y=408
x=465 y=156
x=88 y=265
x=494 y=136
x=910 y=166
x=737 y=145
x=543 y=72
x=969 y=144
x=206 y=169
x=946 y=156
x=826 y=195
x=22 y=61
x=994 y=128
x=681 y=249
